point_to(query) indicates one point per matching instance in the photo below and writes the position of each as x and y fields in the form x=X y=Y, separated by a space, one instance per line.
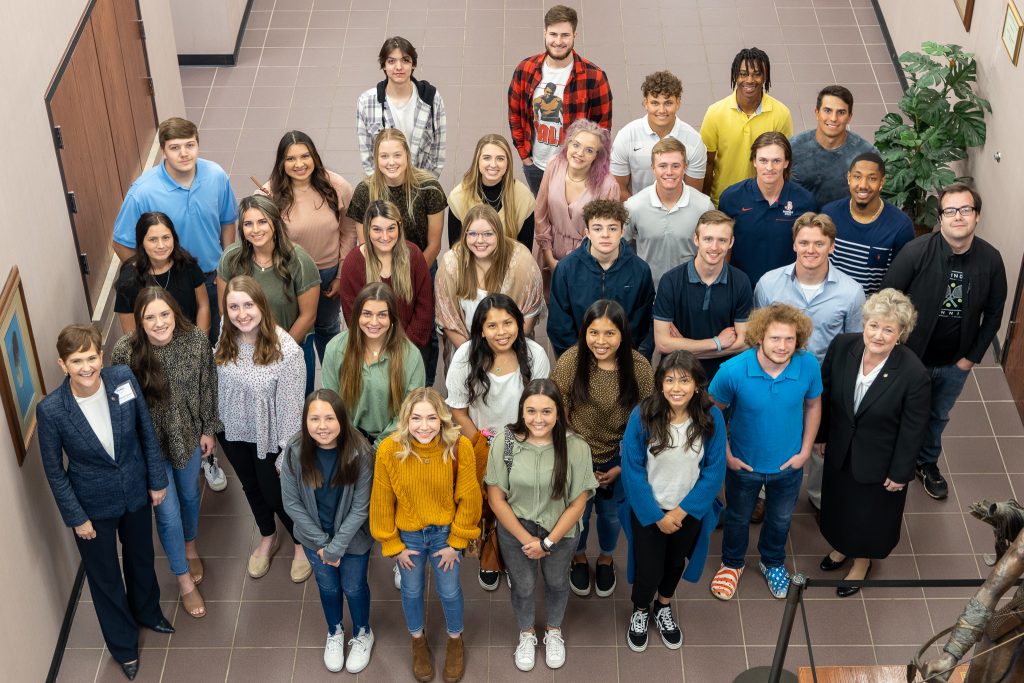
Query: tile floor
x=302 y=65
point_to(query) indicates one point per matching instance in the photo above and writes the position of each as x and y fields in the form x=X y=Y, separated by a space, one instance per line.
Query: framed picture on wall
x=21 y=386
x=1013 y=28
x=966 y=10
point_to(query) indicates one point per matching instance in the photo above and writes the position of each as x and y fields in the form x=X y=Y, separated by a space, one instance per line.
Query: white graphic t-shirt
x=547 y=113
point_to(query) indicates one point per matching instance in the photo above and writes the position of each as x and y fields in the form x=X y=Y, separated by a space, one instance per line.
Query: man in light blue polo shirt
x=773 y=393
x=194 y=193
x=831 y=298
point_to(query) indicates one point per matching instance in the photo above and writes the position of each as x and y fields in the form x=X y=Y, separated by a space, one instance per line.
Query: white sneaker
x=398 y=578
x=215 y=478
x=554 y=648
x=359 y=649
x=334 y=652
x=525 y=652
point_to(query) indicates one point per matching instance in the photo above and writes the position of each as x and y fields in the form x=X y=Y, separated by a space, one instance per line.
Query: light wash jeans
x=177 y=518
x=428 y=541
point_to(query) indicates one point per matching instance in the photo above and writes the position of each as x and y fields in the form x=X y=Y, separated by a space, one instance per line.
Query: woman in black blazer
x=99 y=419
x=874 y=411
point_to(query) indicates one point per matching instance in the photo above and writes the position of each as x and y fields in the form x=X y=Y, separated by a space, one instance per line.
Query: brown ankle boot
x=454 y=660
x=422 y=664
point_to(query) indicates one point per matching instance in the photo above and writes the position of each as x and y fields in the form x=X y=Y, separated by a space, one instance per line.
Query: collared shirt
x=833 y=310
x=864 y=251
x=631 y=151
x=699 y=310
x=766 y=427
x=823 y=171
x=728 y=132
x=664 y=237
x=764 y=232
x=197 y=211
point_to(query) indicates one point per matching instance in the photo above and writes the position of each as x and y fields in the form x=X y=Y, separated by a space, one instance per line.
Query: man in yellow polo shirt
x=733 y=123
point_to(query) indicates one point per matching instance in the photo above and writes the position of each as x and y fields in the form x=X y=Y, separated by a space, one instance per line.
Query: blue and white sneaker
x=777 y=579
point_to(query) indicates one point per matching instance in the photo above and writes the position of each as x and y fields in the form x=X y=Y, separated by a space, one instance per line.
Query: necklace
x=568 y=176
x=881 y=206
x=165 y=283
x=263 y=268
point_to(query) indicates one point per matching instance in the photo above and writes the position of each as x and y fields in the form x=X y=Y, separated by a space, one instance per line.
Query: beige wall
x=912 y=22
x=35 y=235
x=207 y=27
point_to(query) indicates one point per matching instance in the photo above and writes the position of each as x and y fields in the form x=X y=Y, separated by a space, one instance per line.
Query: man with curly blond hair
x=773 y=393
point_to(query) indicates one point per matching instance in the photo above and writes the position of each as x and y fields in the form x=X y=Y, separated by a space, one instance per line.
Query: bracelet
x=547 y=544
x=718 y=344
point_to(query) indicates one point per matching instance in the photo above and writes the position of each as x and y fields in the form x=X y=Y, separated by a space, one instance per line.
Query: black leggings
x=660 y=558
x=260 y=482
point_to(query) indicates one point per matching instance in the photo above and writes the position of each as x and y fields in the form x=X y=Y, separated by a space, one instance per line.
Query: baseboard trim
x=65 y=628
x=219 y=59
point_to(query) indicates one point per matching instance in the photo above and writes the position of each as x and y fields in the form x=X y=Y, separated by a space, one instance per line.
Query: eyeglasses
x=486 y=236
x=964 y=211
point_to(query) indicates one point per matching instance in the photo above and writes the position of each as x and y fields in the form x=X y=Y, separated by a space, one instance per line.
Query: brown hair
x=243 y=261
x=662 y=83
x=815 y=220
x=713 y=217
x=785 y=314
x=143 y=362
x=466 y=284
x=176 y=128
x=560 y=13
x=605 y=208
x=78 y=337
x=268 y=346
x=961 y=187
x=838 y=92
x=350 y=374
x=473 y=184
x=350 y=455
x=397 y=43
x=773 y=138
x=401 y=264
x=281 y=183
x=666 y=145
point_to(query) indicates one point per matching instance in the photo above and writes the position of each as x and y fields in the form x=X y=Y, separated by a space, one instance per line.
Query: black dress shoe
x=847 y=591
x=163 y=626
x=131 y=670
x=830 y=565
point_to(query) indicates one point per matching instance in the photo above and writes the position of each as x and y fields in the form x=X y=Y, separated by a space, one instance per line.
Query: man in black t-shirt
x=958 y=285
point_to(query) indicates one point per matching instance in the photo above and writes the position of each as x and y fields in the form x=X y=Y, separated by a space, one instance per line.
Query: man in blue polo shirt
x=773 y=395
x=194 y=193
x=702 y=306
x=869 y=231
x=765 y=207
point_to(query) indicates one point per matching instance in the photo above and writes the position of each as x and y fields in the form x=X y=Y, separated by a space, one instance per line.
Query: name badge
x=125 y=393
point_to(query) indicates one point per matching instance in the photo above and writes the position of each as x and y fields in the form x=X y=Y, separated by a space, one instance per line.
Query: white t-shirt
x=502 y=404
x=469 y=307
x=96 y=409
x=811 y=291
x=405 y=115
x=547 y=113
x=673 y=472
x=631 y=152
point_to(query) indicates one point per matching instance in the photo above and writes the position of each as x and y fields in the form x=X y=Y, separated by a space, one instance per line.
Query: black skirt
x=860 y=520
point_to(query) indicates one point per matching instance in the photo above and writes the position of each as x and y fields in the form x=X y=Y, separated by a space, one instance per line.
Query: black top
x=492 y=194
x=180 y=283
x=327 y=496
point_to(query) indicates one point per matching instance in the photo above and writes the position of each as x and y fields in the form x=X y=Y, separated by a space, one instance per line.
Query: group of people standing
x=796 y=324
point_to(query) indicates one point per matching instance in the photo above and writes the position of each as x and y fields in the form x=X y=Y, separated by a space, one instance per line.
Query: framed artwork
x=1013 y=28
x=966 y=10
x=21 y=385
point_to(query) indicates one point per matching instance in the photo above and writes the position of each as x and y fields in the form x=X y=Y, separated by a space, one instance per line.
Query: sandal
x=195 y=569
x=194 y=604
x=725 y=581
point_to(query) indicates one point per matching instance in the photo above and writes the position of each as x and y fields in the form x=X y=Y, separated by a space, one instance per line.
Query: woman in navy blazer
x=99 y=419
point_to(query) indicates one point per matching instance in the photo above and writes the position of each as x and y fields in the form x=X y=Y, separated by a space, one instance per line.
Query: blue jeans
x=947 y=383
x=348 y=579
x=328 y=313
x=308 y=346
x=608 y=524
x=177 y=518
x=211 y=294
x=534 y=175
x=428 y=541
x=782 y=490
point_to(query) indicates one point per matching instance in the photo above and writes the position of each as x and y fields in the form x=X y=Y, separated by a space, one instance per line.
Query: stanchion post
x=777 y=674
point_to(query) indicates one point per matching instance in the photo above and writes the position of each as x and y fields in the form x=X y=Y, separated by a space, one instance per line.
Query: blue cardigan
x=94 y=485
x=701 y=502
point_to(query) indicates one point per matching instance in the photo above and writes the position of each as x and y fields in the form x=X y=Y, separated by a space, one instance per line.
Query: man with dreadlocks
x=734 y=122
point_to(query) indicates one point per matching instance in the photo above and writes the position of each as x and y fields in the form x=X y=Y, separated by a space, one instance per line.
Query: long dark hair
x=655 y=412
x=629 y=391
x=140 y=261
x=243 y=261
x=481 y=356
x=144 y=363
x=349 y=440
x=281 y=184
x=560 y=472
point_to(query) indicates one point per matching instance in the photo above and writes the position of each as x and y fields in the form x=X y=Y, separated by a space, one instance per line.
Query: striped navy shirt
x=865 y=251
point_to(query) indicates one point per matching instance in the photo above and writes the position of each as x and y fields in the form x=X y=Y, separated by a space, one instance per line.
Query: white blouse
x=864 y=382
x=262 y=404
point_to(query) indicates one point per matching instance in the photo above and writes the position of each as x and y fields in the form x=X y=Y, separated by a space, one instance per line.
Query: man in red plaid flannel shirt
x=551 y=90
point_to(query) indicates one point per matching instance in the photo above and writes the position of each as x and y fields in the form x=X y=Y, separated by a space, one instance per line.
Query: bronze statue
x=999 y=634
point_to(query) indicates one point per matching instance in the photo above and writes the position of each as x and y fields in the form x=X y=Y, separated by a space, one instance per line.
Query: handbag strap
x=507 y=456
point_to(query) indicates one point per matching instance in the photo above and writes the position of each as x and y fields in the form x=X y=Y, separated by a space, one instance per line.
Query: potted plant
x=942 y=117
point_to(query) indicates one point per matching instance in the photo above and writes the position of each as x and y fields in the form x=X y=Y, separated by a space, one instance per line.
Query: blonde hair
x=401 y=266
x=466 y=284
x=414 y=180
x=821 y=221
x=785 y=314
x=891 y=304
x=472 y=182
x=450 y=432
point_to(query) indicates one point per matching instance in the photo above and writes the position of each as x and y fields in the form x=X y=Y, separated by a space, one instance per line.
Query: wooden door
x=1013 y=348
x=104 y=119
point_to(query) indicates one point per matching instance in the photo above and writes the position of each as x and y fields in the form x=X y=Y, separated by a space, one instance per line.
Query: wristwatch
x=547 y=544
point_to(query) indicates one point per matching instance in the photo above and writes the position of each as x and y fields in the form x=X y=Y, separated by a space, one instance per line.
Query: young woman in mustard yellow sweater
x=425 y=508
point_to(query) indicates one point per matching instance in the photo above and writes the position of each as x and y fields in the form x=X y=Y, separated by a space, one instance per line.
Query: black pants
x=261 y=484
x=122 y=605
x=659 y=558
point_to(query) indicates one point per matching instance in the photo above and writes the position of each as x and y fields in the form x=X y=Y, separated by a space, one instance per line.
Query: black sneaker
x=670 y=632
x=934 y=483
x=605 y=580
x=636 y=636
x=489 y=580
x=579 y=578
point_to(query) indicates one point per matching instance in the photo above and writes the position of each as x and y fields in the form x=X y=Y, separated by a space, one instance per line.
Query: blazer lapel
x=882 y=382
x=78 y=419
x=117 y=416
x=849 y=376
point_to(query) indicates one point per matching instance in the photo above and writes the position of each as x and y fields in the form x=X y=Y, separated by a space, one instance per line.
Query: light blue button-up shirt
x=833 y=310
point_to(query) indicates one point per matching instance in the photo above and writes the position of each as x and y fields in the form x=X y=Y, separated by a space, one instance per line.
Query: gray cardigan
x=351 y=523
